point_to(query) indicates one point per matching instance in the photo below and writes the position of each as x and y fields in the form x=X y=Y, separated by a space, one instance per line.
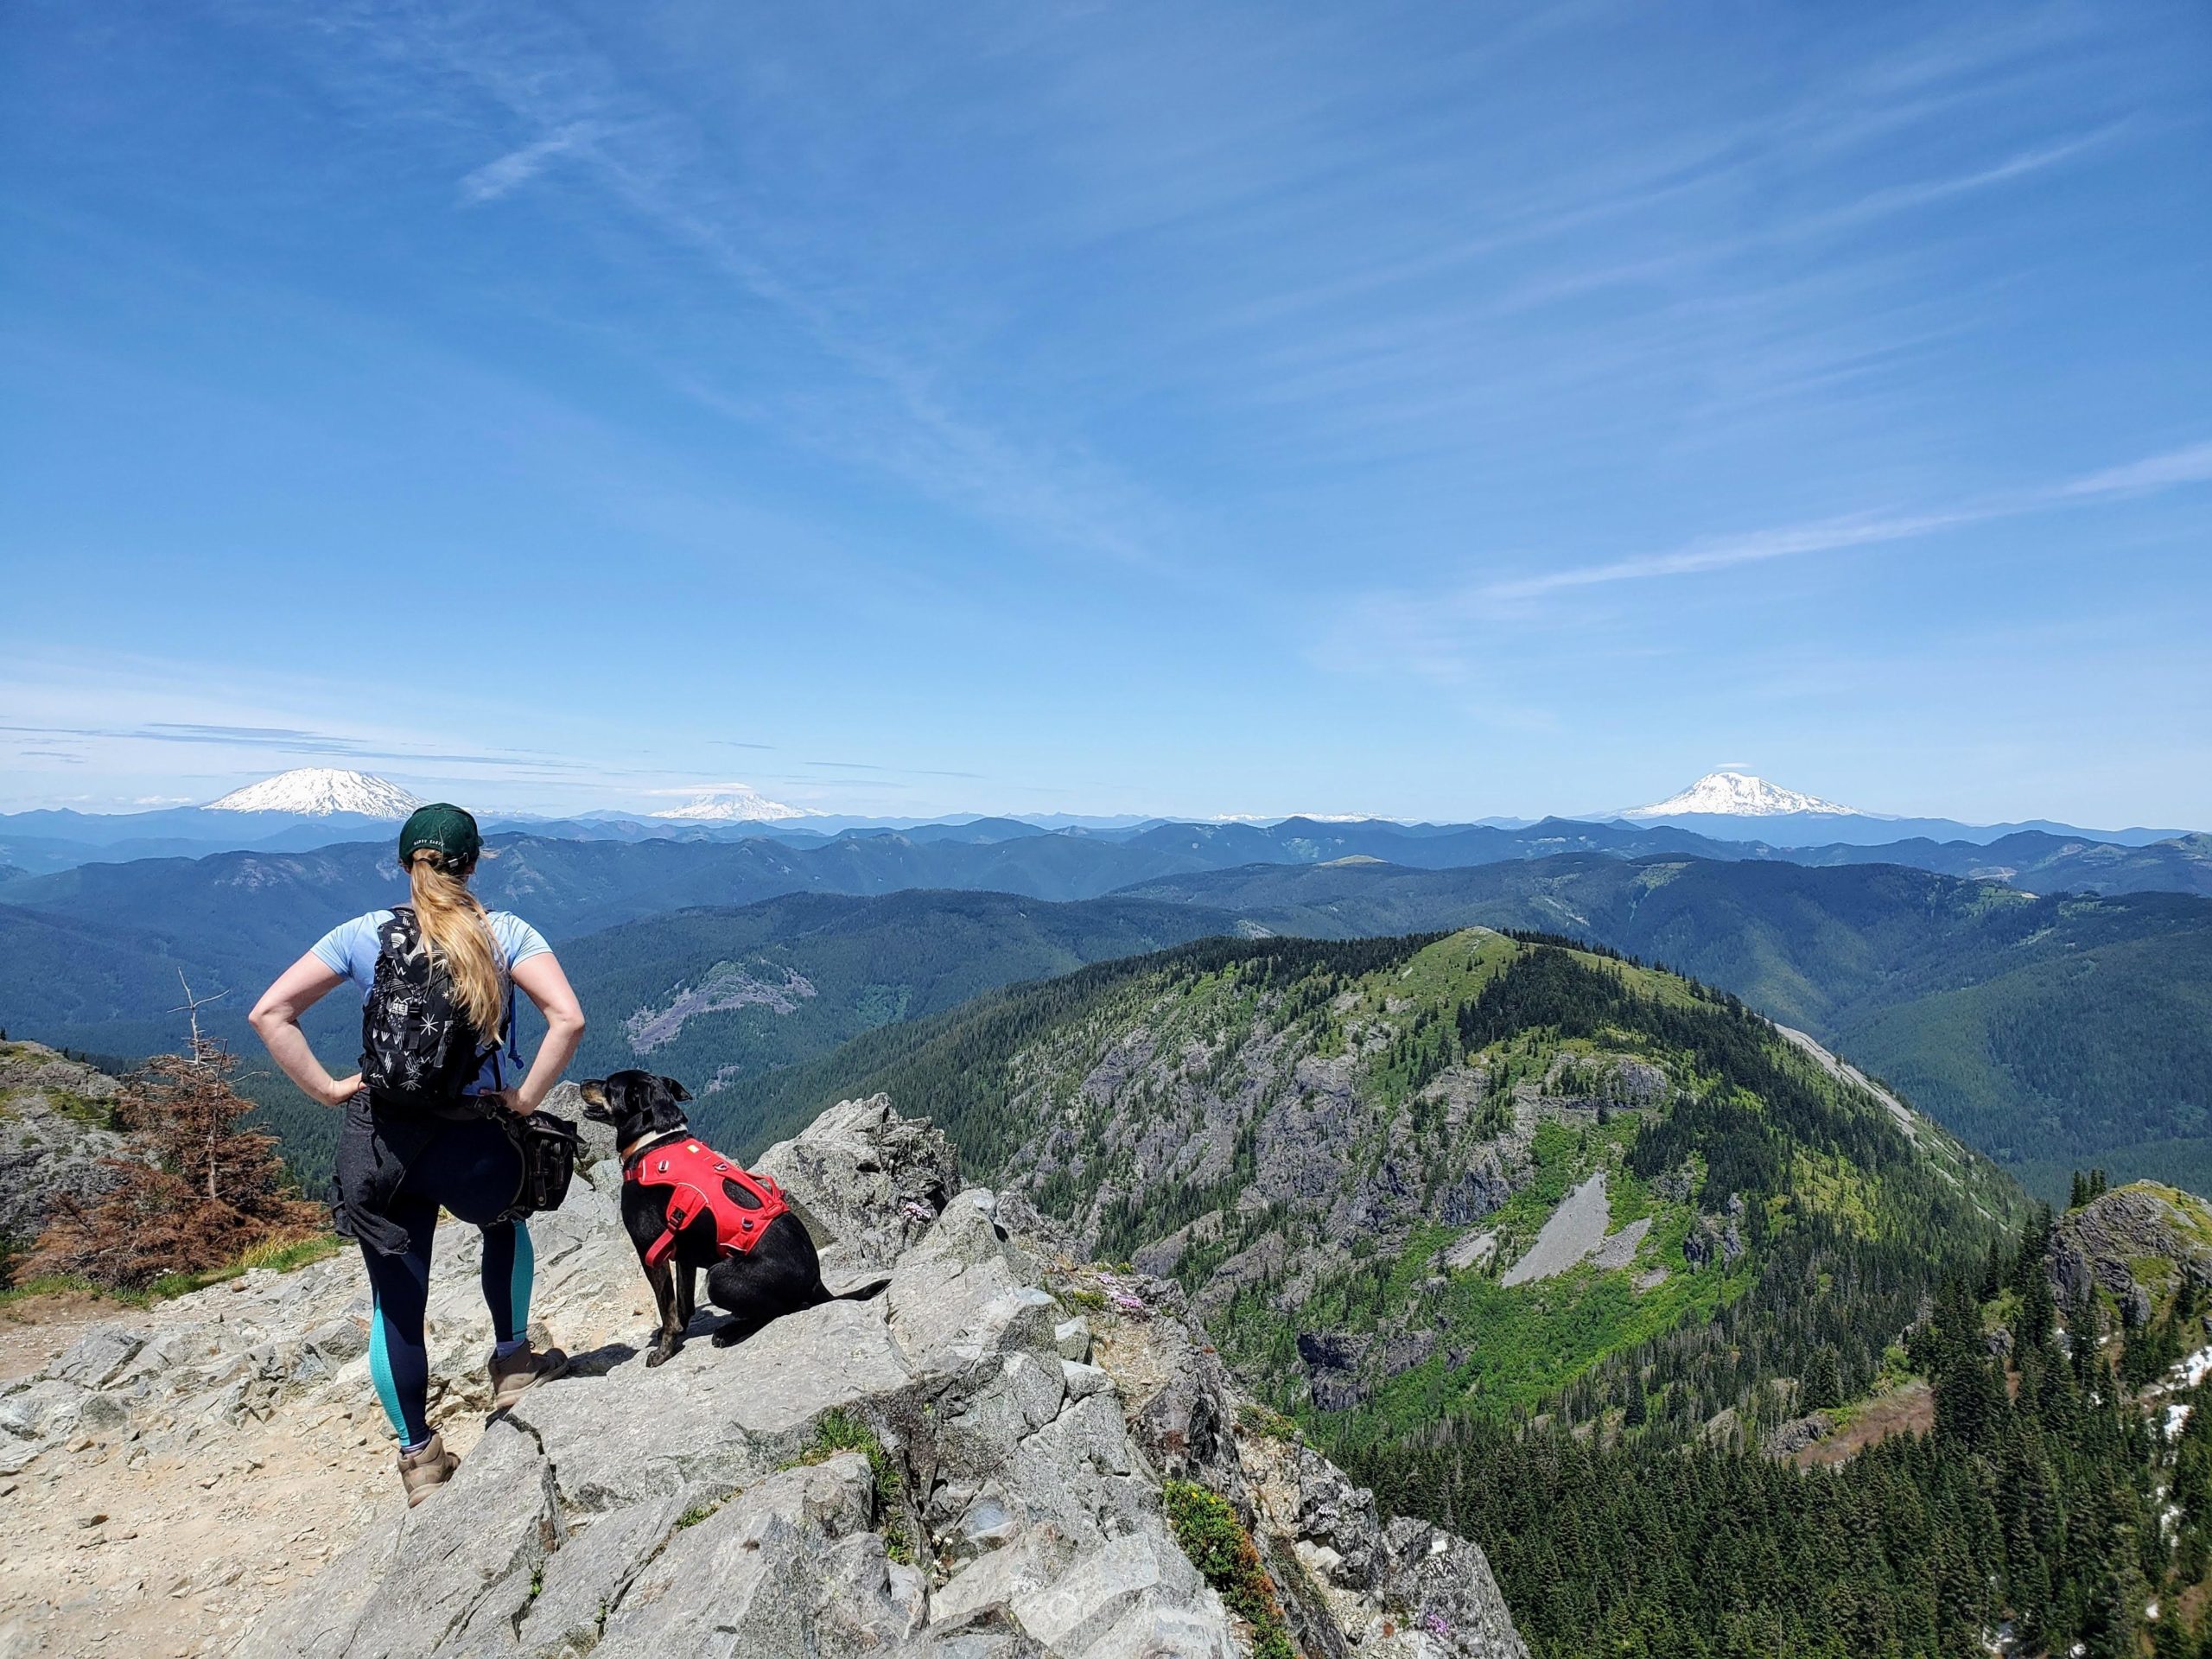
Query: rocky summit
x=972 y=1463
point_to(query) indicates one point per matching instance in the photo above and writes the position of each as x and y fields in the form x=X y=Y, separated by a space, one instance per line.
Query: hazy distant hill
x=707 y=995
x=711 y=996
x=2048 y=1062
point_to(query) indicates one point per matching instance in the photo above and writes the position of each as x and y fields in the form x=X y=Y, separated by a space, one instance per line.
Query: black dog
x=779 y=1275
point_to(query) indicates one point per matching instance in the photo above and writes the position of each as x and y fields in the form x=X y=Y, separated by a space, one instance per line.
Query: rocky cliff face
x=2138 y=1243
x=971 y=1464
x=53 y=1133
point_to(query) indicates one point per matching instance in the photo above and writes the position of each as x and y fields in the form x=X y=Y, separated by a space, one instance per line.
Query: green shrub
x=1223 y=1551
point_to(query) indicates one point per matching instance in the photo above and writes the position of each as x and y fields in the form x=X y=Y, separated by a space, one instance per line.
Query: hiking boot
x=512 y=1377
x=431 y=1467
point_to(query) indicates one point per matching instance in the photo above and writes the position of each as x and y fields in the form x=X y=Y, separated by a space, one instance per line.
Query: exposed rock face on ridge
x=1351 y=1579
x=52 y=1134
x=2134 y=1243
x=1004 y=1498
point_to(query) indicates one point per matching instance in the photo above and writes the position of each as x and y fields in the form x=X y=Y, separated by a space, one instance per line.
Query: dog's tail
x=863 y=1294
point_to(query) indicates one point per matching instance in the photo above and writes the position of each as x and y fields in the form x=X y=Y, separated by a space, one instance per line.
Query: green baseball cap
x=444 y=828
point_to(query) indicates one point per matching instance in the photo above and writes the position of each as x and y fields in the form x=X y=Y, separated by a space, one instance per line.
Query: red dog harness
x=698 y=1178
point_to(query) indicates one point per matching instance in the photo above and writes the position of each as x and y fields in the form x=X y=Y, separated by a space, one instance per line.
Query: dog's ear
x=594 y=1098
x=677 y=1091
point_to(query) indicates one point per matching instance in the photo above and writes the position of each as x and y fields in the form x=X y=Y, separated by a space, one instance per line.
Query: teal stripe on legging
x=519 y=1282
x=380 y=1374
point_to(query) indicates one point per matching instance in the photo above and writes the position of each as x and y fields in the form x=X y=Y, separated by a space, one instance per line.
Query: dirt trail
x=34 y=1330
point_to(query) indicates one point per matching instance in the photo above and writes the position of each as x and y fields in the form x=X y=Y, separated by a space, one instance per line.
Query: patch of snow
x=319 y=791
x=2194 y=1369
x=1738 y=794
x=737 y=805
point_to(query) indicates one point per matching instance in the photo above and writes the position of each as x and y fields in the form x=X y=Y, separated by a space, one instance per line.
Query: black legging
x=472 y=1170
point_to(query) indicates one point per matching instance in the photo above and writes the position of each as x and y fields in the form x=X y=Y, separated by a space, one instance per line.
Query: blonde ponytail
x=459 y=934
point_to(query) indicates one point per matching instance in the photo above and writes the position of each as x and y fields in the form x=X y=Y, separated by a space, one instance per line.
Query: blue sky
x=1416 y=409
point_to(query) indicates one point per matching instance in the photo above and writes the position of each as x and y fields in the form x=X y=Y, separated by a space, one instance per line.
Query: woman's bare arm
x=276 y=1018
x=541 y=977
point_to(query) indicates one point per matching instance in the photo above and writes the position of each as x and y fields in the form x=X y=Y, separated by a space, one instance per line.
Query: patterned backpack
x=419 y=1048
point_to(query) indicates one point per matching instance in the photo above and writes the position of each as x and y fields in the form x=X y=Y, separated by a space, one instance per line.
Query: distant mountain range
x=1729 y=814
x=2044 y=1029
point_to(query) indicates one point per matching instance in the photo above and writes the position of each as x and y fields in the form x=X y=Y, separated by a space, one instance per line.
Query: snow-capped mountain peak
x=736 y=805
x=320 y=792
x=1737 y=794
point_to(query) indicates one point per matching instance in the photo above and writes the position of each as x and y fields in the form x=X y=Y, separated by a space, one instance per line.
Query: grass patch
x=281 y=1256
x=695 y=1514
x=843 y=1431
x=81 y=1108
x=1223 y=1551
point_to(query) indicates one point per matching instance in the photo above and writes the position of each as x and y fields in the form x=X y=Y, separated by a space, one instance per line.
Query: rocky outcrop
x=55 y=1132
x=956 y=1467
x=1332 y=1361
x=1787 y=1439
x=1351 y=1579
x=867 y=1182
x=2135 y=1242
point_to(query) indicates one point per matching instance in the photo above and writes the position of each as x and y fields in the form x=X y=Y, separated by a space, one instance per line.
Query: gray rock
x=1072 y=1337
x=1401 y=1351
x=590 y=1573
x=2100 y=1246
x=98 y=1357
x=1333 y=1363
x=1786 y=1439
x=763 y=1575
x=867 y=1182
x=1348 y=1580
x=457 y=1570
x=53 y=1138
x=620 y=1511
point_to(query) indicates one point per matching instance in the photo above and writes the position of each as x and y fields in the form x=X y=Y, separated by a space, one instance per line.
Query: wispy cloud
x=517 y=167
x=1431 y=631
x=889 y=407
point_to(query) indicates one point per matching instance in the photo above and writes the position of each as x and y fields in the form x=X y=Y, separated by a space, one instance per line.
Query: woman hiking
x=422 y=1116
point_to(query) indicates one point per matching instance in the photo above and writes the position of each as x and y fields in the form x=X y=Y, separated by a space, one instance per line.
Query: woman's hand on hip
x=512 y=1100
x=342 y=1089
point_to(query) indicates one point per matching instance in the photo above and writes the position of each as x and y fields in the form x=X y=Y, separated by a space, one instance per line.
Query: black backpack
x=419 y=1048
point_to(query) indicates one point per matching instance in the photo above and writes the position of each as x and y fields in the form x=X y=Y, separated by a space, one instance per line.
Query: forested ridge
x=2032 y=1509
x=1612 y=1448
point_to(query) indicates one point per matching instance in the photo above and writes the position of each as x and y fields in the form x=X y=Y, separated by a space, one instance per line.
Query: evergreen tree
x=196 y=1191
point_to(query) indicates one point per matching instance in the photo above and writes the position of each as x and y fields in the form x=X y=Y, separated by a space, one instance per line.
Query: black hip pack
x=548 y=1145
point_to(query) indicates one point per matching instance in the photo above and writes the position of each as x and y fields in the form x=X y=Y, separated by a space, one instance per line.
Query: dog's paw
x=729 y=1336
x=657 y=1357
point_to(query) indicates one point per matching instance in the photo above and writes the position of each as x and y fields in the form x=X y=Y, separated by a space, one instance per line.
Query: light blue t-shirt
x=350 y=948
